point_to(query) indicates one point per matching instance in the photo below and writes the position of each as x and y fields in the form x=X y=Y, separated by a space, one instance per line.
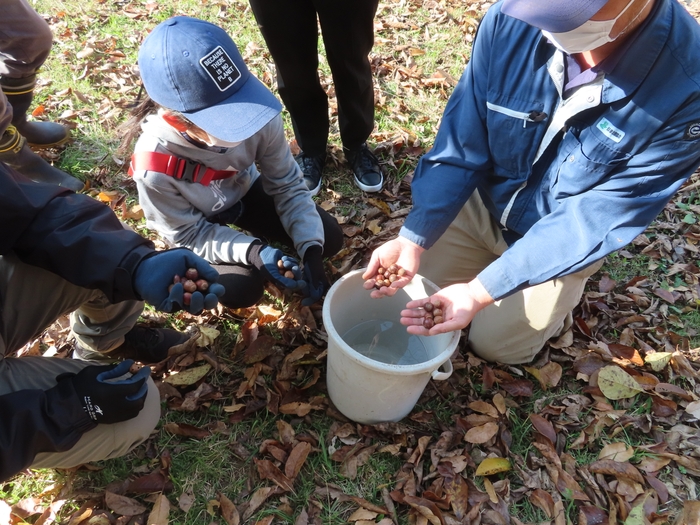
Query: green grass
x=622 y=269
x=526 y=512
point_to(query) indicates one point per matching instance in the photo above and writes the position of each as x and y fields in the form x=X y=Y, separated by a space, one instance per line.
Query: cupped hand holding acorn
x=385 y=276
x=433 y=313
x=190 y=283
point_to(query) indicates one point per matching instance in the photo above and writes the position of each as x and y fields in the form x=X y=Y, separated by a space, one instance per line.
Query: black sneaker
x=149 y=345
x=312 y=167
x=142 y=343
x=365 y=166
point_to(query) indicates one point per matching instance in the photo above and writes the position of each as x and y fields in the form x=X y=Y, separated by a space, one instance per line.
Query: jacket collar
x=639 y=58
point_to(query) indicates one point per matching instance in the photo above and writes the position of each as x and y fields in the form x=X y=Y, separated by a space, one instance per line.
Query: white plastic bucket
x=363 y=389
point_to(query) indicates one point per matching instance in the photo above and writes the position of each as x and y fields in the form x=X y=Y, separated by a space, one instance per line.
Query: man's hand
x=154 y=276
x=460 y=303
x=106 y=396
x=398 y=251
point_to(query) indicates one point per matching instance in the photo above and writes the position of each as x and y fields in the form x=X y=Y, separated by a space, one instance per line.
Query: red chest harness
x=176 y=167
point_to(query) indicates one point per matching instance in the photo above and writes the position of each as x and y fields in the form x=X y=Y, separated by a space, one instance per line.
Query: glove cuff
x=313 y=253
x=65 y=395
x=253 y=255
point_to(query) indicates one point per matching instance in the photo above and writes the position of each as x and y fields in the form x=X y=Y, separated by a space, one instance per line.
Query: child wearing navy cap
x=213 y=154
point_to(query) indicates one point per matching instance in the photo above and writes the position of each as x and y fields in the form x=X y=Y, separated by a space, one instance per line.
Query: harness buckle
x=188 y=170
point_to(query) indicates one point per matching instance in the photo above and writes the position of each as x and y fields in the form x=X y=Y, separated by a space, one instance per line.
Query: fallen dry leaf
x=615 y=383
x=122 y=505
x=160 y=513
x=492 y=466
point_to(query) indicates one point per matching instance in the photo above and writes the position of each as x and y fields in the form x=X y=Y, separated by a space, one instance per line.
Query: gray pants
x=32 y=299
x=25 y=42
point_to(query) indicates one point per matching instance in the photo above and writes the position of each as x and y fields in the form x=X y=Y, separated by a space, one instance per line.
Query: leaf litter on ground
x=606 y=433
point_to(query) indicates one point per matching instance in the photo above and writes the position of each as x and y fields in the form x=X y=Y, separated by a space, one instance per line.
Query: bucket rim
x=418 y=368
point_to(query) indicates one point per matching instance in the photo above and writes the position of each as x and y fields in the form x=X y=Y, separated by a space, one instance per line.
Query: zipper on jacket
x=531 y=116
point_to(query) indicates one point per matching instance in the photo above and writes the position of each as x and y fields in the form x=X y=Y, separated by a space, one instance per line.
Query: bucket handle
x=441 y=376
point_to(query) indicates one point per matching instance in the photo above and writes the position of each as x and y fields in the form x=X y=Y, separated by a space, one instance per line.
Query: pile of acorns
x=289 y=274
x=190 y=283
x=386 y=276
x=433 y=313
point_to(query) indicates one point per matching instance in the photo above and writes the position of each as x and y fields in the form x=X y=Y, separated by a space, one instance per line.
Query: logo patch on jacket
x=610 y=131
x=692 y=132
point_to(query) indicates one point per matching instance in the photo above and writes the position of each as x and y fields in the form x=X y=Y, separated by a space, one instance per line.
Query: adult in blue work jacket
x=573 y=125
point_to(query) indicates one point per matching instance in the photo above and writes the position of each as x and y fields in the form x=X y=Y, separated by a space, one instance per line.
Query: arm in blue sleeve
x=586 y=227
x=447 y=175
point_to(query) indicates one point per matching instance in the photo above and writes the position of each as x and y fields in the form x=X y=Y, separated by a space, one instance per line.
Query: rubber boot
x=15 y=152
x=39 y=134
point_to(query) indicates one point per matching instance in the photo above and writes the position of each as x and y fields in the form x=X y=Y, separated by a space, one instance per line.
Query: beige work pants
x=512 y=330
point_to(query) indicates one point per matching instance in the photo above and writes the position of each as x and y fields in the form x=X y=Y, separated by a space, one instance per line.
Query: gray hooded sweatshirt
x=178 y=210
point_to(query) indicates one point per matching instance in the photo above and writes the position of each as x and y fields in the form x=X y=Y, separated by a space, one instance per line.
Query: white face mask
x=590 y=35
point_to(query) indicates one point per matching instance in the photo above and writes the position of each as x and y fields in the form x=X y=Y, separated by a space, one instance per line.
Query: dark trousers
x=291 y=32
x=244 y=284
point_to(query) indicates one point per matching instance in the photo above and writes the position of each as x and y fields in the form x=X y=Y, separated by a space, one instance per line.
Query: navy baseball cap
x=555 y=16
x=194 y=67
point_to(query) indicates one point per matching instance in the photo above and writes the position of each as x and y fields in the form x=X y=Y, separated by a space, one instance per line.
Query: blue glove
x=316 y=281
x=155 y=274
x=267 y=259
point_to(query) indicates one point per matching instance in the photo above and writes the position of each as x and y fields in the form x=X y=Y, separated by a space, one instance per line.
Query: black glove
x=155 y=274
x=267 y=259
x=106 y=399
x=316 y=281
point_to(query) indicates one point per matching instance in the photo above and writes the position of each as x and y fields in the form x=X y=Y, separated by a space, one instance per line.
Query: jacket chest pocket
x=513 y=137
x=583 y=162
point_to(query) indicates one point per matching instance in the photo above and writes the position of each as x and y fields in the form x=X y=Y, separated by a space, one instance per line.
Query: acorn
x=433 y=313
x=192 y=274
x=202 y=285
x=189 y=286
x=386 y=276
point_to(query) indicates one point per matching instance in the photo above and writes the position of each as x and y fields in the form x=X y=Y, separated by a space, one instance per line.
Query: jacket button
x=571 y=158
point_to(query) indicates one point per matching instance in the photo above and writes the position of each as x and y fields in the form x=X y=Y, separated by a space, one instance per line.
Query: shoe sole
x=61 y=142
x=369 y=189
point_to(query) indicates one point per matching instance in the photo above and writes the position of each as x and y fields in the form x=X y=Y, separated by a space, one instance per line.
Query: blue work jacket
x=569 y=180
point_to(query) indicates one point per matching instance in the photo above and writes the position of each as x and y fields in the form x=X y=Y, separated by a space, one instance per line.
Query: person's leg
x=25 y=42
x=25 y=288
x=32 y=299
x=260 y=218
x=102 y=442
x=514 y=329
x=347 y=27
x=290 y=30
x=348 y=36
x=244 y=285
